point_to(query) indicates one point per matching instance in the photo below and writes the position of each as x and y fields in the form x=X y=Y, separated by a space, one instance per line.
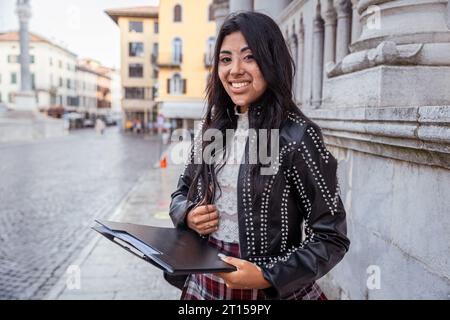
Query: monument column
x=25 y=98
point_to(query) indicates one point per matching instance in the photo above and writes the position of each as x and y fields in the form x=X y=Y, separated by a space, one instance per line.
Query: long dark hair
x=271 y=53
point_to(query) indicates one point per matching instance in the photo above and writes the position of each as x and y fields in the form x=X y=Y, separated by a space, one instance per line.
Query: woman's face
x=239 y=72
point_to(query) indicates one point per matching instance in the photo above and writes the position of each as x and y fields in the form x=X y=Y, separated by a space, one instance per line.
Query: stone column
x=300 y=60
x=24 y=13
x=240 y=5
x=271 y=7
x=330 y=32
x=293 y=46
x=317 y=67
x=356 y=23
x=343 y=9
x=400 y=49
x=25 y=99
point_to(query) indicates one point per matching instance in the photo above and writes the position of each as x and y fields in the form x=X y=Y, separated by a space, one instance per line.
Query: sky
x=78 y=25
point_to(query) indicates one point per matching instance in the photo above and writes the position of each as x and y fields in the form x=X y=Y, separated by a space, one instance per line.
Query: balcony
x=173 y=63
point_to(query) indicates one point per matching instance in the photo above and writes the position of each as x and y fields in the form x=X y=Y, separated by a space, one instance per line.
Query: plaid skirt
x=211 y=287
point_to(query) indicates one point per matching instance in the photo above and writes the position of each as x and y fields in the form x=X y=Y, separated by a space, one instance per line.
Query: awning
x=183 y=109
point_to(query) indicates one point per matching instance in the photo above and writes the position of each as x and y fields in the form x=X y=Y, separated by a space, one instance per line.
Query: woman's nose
x=236 y=67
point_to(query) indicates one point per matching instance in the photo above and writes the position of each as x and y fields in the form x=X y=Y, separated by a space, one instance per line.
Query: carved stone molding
x=415 y=134
x=387 y=53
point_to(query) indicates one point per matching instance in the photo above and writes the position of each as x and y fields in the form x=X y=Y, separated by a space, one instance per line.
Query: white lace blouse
x=228 y=180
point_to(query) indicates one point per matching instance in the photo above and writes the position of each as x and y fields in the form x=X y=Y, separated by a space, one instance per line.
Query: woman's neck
x=242 y=109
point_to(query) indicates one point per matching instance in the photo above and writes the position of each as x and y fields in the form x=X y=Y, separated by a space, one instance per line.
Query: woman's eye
x=225 y=60
x=249 y=57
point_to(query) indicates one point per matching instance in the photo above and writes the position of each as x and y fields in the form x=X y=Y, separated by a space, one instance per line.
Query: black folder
x=175 y=251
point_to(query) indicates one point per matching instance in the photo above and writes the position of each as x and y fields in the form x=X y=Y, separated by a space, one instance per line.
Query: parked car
x=110 y=121
x=88 y=123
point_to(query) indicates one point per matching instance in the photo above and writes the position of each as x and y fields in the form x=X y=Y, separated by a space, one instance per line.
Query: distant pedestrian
x=100 y=126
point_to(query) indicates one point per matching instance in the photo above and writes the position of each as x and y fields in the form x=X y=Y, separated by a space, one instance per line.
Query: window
x=177 y=13
x=209 y=57
x=68 y=84
x=60 y=82
x=176 y=85
x=51 y=80
x=136 y=70
x=210 y=13
x=16 y=58
x=177 y=50
x=156 y=27
x=73 y=101
x=11 y=97
x=68 y=66
x=136 y=49
x=13 y=58
x=136 y=26
x=155 y=73
x=13 y=78
x=60 y=64
x=134 y=93
x=51 y=61
x=33 y=81
x=155 y=52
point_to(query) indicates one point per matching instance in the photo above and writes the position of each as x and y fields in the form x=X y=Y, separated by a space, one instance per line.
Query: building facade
x=102 y=85
x=139 y=48
x=86 y=85
x=186 y=46
x=53 y=72
x=375 y=75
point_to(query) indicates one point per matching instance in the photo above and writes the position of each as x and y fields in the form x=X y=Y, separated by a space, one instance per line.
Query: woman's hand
x=203 y=219
x=247 y=276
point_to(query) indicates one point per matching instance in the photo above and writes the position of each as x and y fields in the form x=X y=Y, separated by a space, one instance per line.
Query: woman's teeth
x=239 y=84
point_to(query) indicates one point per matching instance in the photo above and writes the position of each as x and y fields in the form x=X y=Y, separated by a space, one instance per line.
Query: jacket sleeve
x=180 y=205
x=312 y=173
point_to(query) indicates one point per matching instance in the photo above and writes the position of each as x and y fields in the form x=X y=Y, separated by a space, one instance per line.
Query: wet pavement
x=104 y=270
x=50 y=193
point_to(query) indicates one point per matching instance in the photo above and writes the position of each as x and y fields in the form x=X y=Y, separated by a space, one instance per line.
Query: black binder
x=175 y=251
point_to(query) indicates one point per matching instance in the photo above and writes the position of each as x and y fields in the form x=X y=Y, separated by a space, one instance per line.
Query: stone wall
x=383 y=101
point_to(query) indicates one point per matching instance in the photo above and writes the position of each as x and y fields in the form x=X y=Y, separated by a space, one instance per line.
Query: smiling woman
x=281 y=231
x=239 y=72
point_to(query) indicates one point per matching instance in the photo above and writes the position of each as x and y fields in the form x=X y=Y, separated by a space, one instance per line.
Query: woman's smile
x=239 y=87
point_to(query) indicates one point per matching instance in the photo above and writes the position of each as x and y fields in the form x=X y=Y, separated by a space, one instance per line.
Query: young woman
x=283 y=230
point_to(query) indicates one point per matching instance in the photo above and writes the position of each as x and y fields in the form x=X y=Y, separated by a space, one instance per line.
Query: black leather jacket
x=296 y=230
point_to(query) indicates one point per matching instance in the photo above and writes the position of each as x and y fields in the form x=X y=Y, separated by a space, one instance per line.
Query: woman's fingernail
x=222 y=256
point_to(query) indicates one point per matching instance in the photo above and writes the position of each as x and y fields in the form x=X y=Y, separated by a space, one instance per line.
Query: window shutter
x=184 y=86
x=168 y=85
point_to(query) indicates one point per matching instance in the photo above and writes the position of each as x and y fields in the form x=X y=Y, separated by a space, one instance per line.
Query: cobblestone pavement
x=50 y=193
x=108 y=272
